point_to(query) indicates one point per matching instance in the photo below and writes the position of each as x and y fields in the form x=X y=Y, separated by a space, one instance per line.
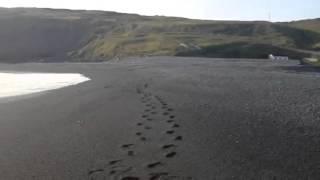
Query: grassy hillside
x=311 y=25
x=60 y=35
x=243 y=50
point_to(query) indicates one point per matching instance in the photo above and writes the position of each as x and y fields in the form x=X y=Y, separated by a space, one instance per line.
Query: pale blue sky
x=279 y=10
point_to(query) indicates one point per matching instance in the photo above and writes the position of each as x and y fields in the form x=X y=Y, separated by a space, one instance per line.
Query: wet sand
x=170 y=117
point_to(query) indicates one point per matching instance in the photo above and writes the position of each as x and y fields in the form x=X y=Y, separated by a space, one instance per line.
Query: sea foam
x=15 y=84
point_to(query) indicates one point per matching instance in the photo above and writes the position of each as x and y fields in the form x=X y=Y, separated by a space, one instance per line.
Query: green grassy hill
x=28 y=34
x=311 y=25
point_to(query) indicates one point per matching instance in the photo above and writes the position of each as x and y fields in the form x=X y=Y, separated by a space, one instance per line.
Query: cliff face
x=28 y=34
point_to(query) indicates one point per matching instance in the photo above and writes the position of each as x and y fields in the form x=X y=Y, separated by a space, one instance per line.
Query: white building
x=272 y=57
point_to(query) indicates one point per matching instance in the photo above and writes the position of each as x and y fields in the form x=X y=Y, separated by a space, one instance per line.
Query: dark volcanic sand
x=181 y=117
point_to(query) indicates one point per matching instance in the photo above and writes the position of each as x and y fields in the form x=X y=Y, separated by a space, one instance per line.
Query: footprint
x=138 y=90
x=178 y=138
x=114 y=162
x=166 y=113
x=171 y=155
x=127 y=145
x=139 y=124
x=138 y=133
x=147 y=110
x=170 y=131
x=147 y=127
x=172 y=117
x=143 y=138
x=120 y=170
x=97 y=176
x=170 y=121
x=131 y=153
x=153 y=112
x=170 y=109
x=95 y=171
x=130 y=178
x=176 y=126
x=149 y=119
x=157 y=97
x=112 y=172
x=158 y=176
x=168 y=146
x=153 y=165
x=144 y=116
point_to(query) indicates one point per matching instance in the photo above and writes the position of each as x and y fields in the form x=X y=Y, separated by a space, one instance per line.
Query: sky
x=274 y=10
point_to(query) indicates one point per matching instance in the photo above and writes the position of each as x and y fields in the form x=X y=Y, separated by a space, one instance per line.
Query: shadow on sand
x=301 y=69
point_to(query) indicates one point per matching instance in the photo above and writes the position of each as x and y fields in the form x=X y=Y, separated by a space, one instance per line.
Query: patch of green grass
x=242 y=50
x=160 y=37
x=311 y=24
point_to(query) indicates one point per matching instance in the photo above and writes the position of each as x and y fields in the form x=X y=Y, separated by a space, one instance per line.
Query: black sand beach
x=184 y=118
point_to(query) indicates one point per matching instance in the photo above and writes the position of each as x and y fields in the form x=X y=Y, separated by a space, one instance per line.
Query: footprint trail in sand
x=157 y=134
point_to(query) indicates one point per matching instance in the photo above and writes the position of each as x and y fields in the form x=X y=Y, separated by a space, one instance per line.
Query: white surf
x=16 y=84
